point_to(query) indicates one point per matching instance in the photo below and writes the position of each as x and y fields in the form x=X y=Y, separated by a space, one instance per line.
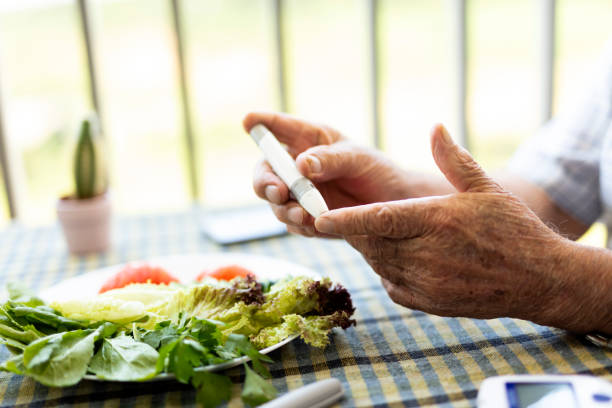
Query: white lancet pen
x=284 y=166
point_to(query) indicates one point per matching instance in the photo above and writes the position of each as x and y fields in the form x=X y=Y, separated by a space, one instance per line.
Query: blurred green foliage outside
x=232 y=68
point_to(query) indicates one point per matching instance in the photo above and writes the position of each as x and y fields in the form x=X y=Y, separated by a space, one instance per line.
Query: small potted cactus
x=85 y=215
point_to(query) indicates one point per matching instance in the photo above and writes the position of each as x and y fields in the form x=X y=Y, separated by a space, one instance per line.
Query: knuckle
x=326 y=135
x=384 y=220
x=304 y=231
x=263 y=179
x=294 y=230
x=280 y=211
x=307 y=231
x=446 y=217
x=295 y=214
x=336 y=156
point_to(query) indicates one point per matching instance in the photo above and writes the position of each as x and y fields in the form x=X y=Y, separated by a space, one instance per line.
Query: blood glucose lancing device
x=284 y=166
x=320 y=394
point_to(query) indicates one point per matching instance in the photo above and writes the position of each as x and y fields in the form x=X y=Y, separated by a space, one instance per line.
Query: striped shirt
x=571 y=156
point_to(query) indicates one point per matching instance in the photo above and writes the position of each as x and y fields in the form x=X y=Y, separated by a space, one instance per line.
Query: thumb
x=327 y=162
x=458 y=166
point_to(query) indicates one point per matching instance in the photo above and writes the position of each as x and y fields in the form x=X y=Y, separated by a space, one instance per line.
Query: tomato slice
x=138 y=274
x=226 y=272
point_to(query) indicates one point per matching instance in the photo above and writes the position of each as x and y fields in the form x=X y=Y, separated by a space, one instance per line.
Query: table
x=393 y=357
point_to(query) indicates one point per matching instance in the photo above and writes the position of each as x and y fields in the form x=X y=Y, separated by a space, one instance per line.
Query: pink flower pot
x=86 y=223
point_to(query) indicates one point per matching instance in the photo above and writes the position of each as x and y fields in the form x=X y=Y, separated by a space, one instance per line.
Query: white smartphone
x=241 y=224
x=539 y=391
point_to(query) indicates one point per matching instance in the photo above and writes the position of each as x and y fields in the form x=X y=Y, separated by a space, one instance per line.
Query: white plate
x=185 y=268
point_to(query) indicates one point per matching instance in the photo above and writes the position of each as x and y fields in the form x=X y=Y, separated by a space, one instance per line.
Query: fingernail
x=272 y=194
x=314 y=164
x=324 y=224
x=445 y=136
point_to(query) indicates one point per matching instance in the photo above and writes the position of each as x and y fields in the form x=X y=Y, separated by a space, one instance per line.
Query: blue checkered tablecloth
x=393 y=357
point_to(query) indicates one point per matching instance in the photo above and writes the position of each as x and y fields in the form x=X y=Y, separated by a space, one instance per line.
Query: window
x=328 y=61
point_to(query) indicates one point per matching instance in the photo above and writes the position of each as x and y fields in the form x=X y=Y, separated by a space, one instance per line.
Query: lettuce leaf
x=102 y=308
x=303 y=296
x=127 y=304
x=241 y=306
x=290 y=296
x=314 y=330
x=303 y=306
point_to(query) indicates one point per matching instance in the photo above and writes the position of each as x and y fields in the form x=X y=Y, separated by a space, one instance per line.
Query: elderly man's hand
x=345 y=174
x=478 y=253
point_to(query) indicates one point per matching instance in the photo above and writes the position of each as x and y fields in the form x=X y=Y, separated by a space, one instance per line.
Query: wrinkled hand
x=345 y=174
x=478 y=253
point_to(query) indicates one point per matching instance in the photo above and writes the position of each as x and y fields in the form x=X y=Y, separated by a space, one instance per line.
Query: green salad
x=144 y=330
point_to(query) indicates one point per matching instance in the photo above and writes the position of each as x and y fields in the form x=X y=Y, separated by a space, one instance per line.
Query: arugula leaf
x=256 y=390
x=124 y=359
x=11 y=329
x=43 y=315
x=24 y=335
x=13 y=345
x=212 y=389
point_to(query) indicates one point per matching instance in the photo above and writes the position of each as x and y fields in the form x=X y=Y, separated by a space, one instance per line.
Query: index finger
x=393 y=219
x=297 y=134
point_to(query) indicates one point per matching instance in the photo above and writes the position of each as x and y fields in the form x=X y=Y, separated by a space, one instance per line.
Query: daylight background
x=232 y=67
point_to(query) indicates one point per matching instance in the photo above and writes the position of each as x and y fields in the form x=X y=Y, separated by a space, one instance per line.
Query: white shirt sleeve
x=564 y=157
